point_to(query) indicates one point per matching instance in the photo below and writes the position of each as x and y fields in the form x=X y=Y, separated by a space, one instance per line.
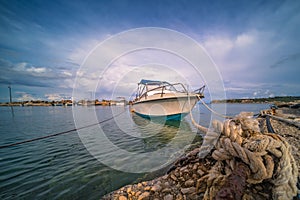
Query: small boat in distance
x=160 y=99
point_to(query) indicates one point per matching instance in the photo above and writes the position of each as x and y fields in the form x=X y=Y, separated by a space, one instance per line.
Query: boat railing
x=200 y=91
x=161 y=89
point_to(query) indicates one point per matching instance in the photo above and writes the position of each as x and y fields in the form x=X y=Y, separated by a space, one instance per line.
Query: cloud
x=244 y=40
x=57 y=96
x=253 y=43
x=26 y=74
x=121 y=77
x=285 y=60
x=24 y=67
x=23 y=96
x=218 y=46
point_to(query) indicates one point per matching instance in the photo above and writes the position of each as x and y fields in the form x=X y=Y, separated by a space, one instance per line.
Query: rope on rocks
x=245 y=156
x=269 y=125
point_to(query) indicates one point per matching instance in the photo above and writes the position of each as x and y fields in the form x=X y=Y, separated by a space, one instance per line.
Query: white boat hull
x=172 y=107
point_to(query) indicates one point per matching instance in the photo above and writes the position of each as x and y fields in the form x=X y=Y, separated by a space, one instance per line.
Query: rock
x=167 y=184
x=168 y=197
x=165 y=177
x=193 y=196
x=122 y=198
x=189 y=183
x=194 y=176
x=183 y=168
x=189 y=190
x=144 y=183
x=179 y=197
x=147 y=188
x=173 y=177
x=137 y=194
x=156 y=188
x=139 y=185
x=181 y=179
x=195 y=167
x=200 y=186
x=144 y=196
x=200 y=172
x=128 y=190
x=166 y=190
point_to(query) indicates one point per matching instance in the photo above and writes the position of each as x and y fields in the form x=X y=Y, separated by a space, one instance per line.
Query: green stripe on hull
x=175 y=117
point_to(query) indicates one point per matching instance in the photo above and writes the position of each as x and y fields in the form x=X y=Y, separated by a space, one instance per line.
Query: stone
x=193 y=196
x=168 y=197
x=167 y=184
x=183 y=168
x=137 y=194
x=144 y=196
x=189 y=190
x=122 y=198
x=195 y=167
x=189 y=183
x=200 y=186
x=181 y=179
x=147 y=188
x=144 y=183
x=156 y=188
x=166 y=190
x=179 y=197
x=200 y=172
x=139 y=185
x=129 y=190
x=165 y=177
x=176 y=173
x=194 y=176
x=173 y=177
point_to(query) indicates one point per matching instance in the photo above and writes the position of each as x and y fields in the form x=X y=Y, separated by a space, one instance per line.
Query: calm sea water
x=61 y=167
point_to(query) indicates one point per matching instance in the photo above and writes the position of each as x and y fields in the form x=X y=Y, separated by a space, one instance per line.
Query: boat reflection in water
x=158 y=133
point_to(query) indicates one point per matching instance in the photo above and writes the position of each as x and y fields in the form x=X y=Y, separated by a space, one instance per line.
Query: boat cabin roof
x=152 y=82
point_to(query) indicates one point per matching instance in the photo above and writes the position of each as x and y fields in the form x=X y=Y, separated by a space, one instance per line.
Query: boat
x=160 y=99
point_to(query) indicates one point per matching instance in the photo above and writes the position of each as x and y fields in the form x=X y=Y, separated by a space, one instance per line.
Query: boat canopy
x=152 y=82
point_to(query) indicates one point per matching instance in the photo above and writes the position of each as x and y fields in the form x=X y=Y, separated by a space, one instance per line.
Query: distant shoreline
x=278 y=99
x=271 y=100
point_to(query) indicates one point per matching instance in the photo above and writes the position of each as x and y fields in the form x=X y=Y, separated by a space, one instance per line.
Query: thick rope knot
x=246 y=156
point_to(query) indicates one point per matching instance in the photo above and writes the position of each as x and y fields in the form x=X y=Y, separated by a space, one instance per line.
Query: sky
x=44 y=44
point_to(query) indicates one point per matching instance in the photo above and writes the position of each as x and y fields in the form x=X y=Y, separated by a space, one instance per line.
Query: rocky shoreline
x=186 y=179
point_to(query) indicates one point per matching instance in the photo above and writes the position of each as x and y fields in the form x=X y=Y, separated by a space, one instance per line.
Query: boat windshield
x=149 y=87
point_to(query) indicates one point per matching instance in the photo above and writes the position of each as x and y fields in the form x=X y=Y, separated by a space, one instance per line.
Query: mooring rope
x=60 y=133
x=211 y=110
x=248 y=158
x=269 y=125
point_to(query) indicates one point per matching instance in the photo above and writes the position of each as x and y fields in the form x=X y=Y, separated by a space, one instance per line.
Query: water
x=61 y=167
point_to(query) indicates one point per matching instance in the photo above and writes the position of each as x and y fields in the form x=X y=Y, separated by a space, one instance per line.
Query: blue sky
x=255 y=44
